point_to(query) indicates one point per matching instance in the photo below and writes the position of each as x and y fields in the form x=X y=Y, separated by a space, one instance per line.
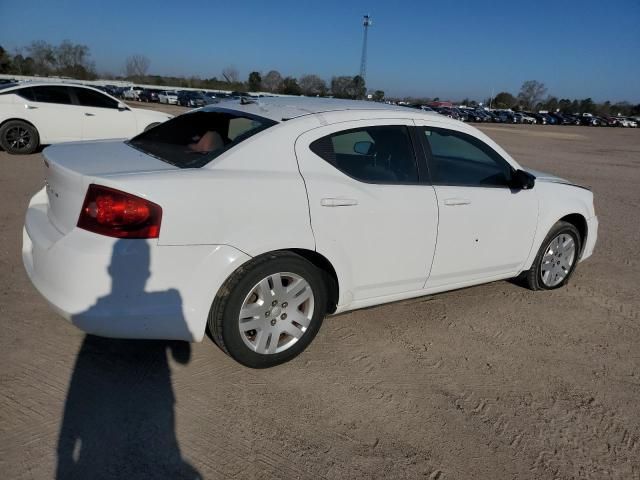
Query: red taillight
x=119 y=214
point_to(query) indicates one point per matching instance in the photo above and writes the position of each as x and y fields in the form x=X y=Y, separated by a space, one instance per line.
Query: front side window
x=461 y=159
x=380 y=154
x=91 y=98
x=52 y=94
x=194 y=139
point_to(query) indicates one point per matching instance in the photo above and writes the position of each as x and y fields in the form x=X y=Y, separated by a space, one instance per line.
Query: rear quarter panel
x=252 y=198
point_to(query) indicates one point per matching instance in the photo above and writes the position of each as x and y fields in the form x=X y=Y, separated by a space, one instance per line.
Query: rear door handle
x=456 y=201
x=87 y=114
x=30 y=107
x=338 y=202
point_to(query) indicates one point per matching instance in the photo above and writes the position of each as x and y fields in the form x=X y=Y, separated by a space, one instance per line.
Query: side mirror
x=363 y=148
x=122 y=106
x=523 y=180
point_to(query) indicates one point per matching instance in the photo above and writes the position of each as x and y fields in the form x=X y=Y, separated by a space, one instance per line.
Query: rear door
x=486 y=228
x=373 y=213
x=51 y=110
x=101 y=117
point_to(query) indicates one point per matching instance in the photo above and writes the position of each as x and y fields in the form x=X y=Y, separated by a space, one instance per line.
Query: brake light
x=113 y=213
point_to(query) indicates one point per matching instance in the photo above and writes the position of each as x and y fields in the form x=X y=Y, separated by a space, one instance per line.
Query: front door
x=486 y=228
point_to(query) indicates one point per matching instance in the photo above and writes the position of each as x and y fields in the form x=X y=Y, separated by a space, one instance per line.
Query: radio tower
x=366 y=23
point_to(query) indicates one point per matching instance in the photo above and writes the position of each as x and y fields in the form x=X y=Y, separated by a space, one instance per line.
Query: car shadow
x=119 y=418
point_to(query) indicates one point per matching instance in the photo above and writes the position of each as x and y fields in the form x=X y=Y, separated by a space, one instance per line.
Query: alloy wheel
x=18 y=138
x=558 y=260
x=276 y=313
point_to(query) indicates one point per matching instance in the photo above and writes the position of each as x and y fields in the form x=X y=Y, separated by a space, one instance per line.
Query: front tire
x=19 y=138
x=270 y=310
x=556 y=260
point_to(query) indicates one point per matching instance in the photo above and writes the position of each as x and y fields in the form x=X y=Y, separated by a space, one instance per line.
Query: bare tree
x=231 y=74
x=272 y=81
x=531 y=93
x=312 y=85
x=136 y=66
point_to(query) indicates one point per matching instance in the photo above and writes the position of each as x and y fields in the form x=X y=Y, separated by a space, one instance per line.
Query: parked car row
x=185 y=98
x=480 y=115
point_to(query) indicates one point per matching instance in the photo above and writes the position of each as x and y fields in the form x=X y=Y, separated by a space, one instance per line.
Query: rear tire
x=556 y=260
x=285 y=319
x=19 y=138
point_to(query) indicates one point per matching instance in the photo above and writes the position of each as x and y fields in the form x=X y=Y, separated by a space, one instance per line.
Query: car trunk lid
x=71 y=167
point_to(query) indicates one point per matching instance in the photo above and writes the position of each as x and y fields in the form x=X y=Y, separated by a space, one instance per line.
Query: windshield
x=194 y=139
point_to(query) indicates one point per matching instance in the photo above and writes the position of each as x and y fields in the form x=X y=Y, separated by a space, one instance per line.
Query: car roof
x=287 y=108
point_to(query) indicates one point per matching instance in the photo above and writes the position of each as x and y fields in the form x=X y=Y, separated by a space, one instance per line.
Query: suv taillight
x=119 y=214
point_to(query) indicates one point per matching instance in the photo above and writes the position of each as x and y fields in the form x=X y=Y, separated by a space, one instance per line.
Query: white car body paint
x=270 y=192
x=58 y=123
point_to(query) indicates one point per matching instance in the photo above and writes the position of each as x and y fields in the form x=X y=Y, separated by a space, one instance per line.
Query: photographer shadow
x=119 y=418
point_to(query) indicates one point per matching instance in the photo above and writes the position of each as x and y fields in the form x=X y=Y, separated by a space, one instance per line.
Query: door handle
x=30 y=107
x=338 y=202
x=87 y=114
x=456 y=201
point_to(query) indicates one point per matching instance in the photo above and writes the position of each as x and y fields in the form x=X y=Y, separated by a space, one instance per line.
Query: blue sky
x=449 y=49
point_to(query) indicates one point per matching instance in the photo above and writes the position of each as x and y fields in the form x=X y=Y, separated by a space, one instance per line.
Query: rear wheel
x=19 y=137
x=269 y=311
x=556 y=260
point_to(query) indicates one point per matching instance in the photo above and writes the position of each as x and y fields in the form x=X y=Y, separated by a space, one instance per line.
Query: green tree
x=358 y=87
x=531 y=93
x=290 y=86
x=504 y=100
x=5 y=61
x=587 y=106
x=378 y=96
x=254 y=82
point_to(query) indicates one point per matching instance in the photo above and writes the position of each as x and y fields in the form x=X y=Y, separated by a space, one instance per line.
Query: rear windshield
x=194 y=139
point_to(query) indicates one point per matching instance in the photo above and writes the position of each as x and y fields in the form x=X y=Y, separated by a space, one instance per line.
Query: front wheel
x=270 y=310
x=556 y=260
x=19 y=137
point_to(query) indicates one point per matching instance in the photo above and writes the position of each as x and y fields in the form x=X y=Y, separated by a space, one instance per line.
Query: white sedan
x=257 y=219
x=170 y=98
x=33 y=114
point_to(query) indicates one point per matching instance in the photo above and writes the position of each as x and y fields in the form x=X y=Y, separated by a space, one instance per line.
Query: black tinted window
x=52 y=94
x=460 y=159
x=381 y=154
x=91 y=98
x=194 y=139
x=26 y=93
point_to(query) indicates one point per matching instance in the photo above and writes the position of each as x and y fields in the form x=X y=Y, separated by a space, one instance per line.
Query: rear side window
x=461 y=159
x=91 y=98
x=26 y=93
x=194 y=139
x=380 y=154
x=52 y=94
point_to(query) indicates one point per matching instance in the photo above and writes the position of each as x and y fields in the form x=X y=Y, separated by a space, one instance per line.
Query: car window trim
x=422 y=179
x=429 y=157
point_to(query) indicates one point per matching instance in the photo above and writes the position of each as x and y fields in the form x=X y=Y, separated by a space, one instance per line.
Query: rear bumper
x=592 y=237
x=124 y=288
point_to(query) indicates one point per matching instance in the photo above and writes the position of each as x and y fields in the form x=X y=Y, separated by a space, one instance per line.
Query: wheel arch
x=319 y=261
x=580 y=222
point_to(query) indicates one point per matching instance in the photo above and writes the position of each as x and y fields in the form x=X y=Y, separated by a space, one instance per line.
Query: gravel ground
x=493 y=381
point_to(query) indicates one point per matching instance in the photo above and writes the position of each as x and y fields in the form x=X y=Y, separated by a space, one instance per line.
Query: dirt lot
x=491 y=382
